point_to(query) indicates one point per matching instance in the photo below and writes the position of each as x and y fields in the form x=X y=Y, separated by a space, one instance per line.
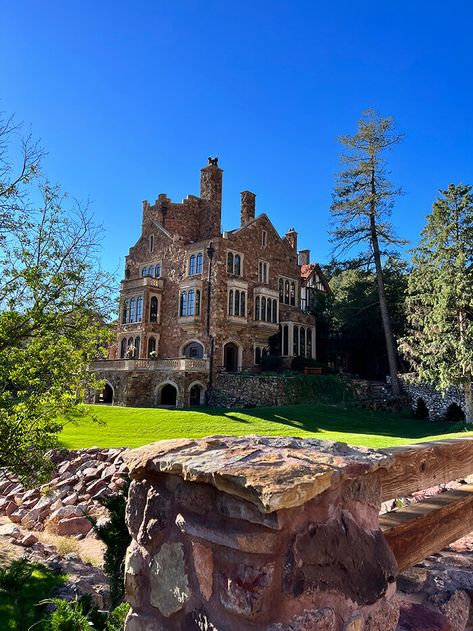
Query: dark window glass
x=137 y=348
x=302 y=339
x=281 y=290
x=230 y=263
x=293 y=293
x=197 y=302
x=153 y=309
x=230 y=302
x=237 y=265
x=192 y=265
x=243 y=304
x=275 y=310
x=286 y=292
x=190 y=302
x=132 y=309
x=158 y=270
x=295 y=341
x=183 y=305
x=285 y=340
x=199 y=264
x=268 y=310
x=123 y=348
x=263 y=309
x=257 y=355
x=151 y=345
x=139 y=309
x=257 y=308
x=237 y=303
x=144 y=271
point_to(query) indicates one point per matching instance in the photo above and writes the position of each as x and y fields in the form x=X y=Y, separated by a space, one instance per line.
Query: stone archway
x=106 y=395
x=421 y=410
x=231 y=357
x=196 y=394
x=167 y=394
x=454 y=414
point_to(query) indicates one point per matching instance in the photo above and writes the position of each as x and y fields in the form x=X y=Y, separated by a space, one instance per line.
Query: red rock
x=73 y=526
x=28 y=540
x=415 y=617
x=17 y=516
x=11 y=508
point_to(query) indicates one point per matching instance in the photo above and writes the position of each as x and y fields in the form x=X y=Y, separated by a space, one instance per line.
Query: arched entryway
x=193 y=349
x=168 y=395
x=105 y=395
x=454 y=414
x=421 y=410
x=230 y=357
x=196 y=394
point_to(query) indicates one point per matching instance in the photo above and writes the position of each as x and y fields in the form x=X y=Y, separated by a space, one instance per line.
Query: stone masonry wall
x=436 y=402
x=257 y=534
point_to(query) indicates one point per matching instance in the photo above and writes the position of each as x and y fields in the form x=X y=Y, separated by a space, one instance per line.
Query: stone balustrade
x=182 y=364
x=257 y=533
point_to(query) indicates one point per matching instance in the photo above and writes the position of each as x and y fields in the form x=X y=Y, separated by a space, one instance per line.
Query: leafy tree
x=53 y=303
x=361 y=207
x=439 y=342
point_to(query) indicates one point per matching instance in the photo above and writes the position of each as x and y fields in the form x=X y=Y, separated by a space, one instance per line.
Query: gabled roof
x=255 y=220
x=308 y=270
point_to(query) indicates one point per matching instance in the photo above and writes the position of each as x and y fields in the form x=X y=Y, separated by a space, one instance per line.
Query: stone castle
x=196 y=302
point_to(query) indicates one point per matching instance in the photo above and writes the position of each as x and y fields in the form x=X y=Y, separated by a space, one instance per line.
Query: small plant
x=13 y=578
x=79 y=615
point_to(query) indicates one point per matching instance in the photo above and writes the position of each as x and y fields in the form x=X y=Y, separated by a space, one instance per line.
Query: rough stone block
x=243 y=588
x=204 y=568
x=169 y=585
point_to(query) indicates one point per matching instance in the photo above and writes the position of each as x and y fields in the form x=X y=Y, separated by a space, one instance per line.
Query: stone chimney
x=247 y=208
x=211 y=183
x=291 y=238
x=304 y=257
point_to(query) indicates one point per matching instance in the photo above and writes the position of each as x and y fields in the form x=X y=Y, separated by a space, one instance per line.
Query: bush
x=270 y=362
x=79 y=615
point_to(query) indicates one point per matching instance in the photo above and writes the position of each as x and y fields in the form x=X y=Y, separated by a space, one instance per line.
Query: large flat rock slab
x=271 y=472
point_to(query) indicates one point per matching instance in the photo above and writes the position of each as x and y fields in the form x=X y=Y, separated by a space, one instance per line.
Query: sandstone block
x=243 y=587
x=17 y=516
x=312 y=620
x=204 y=568
x=73 y=526
x=168 y=579
x=28 y=540
x=416 y=617
x=455 y=606
x=135 y=576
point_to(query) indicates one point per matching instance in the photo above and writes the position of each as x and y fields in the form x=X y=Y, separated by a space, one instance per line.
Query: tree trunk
x=468 y=391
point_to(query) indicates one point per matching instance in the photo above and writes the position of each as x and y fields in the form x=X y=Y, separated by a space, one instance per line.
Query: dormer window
x=234 y=263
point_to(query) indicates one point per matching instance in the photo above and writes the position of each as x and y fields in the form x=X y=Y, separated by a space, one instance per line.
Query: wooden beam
x=426 y=527
x=416 y=467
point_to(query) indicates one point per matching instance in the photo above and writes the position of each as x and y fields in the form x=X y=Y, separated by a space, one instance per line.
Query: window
x=309 y=342
x=285 y=340
x=151 y=243
x=151 y=345
x=199 y=263
x=281 y=290
x=123 y=348
x=237 y=303
x=287 y=291
x=153 y=309
x=158 y=270
x=183 y=305
x=132 y=310
x=197 y=302
x=263 y=272
x=190 y=302
x=257 y=311
x=293 y=293
x=144 y=271
x=139 y=309
x=263 y=309
x=234 y=263
x=295 y=338
x=125 y=311
x=275 y=310
x=269 y=303
x=257 y=355
x=195 y=264
x=264 y=238
x=137 y=348
x=192 y=265
x=151 y=270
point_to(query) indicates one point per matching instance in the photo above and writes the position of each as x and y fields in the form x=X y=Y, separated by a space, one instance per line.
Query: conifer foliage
x=439 y=343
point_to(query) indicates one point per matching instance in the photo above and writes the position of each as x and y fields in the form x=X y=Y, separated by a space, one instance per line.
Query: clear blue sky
x=129 y=99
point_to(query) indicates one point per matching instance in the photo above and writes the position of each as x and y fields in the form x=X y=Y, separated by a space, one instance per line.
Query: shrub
x=270 y=362
x=13 y=578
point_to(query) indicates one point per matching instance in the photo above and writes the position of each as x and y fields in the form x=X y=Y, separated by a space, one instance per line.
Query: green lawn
x=133 y=427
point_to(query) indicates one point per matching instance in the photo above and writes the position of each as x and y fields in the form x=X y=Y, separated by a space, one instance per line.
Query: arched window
x=199 y=263
x=151 y=243
x=144 y=271
x=285 y=340
x=194 y=350
x=286 y=292
x=151 y=345
x=197 y=302
x=230 y=263
x=302 y=341
x=263 y=309
x=158 y=270
x=243 y=304
x=237 y=303
x=130 y=341
x=137 y=348
x=257 y=355
x=123 y=348
x=132 y=310
x=293 y=293
x=183 y=305
x=230 y=302
x=190 y=302
x=275 y=310
x=151 y=270
x=281 y=290
x=153 y=309
x=257 y=308
x=268 y=309
x=139 y=309
x=295 y=341
x=237 y=265
x=192 y=265
x=125 y=312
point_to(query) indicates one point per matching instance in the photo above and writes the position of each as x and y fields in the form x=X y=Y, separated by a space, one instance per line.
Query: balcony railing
x=184 y=364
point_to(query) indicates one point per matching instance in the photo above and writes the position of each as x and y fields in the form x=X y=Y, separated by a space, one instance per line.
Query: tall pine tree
x=439 y=343
x=361 y=207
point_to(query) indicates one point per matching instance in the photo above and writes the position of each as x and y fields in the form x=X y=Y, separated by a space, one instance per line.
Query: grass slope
x=133 y=427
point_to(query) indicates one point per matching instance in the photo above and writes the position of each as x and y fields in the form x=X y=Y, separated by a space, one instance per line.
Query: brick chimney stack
x=291 y=238
x=248 y=207
x=304 y=257
x=211 y=183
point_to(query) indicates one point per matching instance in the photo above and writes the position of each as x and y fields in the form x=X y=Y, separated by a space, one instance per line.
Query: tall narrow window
x=130 y=342
x=139 y=309
x=302 y=341
x=295 y=344
x=123 y=348
x=243 y=304
x=137 y=348
x=268 y=310
x=192 y=265
x=263 y=308
x=230 y=262
x=309 y=342
x=153 y=309
x=183 y=305
x=286 y=292
x=199 y=263
x=144 y=271
x=190 y=302
x=151 y=270
x=132 y=309
x=275 y=310
x=257 y=355
x=281 y=290
x=197 y=302
x=151 y=345
x=264 y=238
x=257 y=308
x=237 y=303
x=230 y=302
x=293 y=294
x=285 y=340
x=151 y=243
x=237 y=265
x=158 y=270
x=125 y=312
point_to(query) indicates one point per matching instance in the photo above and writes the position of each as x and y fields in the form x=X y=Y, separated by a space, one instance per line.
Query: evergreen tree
x=439 y=343
x=362 y=204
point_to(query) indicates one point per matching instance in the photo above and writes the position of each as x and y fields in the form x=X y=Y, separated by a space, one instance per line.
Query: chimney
x=304 y=257
x=248 y=205
x=211 y=183
x=291 y=238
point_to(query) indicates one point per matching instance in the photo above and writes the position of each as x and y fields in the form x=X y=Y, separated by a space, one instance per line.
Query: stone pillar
x=290 y=337
x=247 y=207
x=267 y=534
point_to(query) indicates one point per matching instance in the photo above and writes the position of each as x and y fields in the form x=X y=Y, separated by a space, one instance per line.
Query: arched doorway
x=168 y=394
x=421 y=411
x=105 y=395
x=230 y=357
x=195 y=395
x=194 y=349
x=454 y=414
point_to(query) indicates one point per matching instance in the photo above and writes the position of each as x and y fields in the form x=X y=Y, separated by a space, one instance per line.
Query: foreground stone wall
x=233 y=390
x=273 y=534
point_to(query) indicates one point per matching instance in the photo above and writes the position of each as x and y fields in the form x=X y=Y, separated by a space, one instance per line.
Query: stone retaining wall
x=437 y=403
x=261 y=534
